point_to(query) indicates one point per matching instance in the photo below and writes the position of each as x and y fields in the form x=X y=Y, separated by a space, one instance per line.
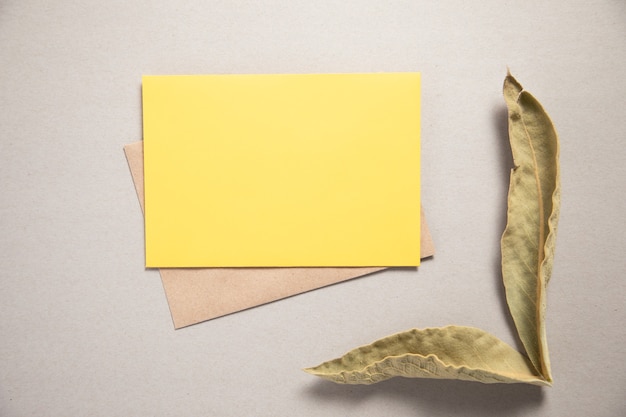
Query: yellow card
x=282 y=170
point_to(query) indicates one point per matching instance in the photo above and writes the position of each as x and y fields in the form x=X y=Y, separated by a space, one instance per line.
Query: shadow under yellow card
x=282 y=170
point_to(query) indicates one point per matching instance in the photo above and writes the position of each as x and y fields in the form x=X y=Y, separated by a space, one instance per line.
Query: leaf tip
x=315 y=371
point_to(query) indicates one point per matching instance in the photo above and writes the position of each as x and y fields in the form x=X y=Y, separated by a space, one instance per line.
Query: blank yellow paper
x=282 y=170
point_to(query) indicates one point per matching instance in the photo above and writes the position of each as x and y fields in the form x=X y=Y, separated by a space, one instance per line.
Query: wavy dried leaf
x=451 y=352
x=528 y=244
x=533 y=208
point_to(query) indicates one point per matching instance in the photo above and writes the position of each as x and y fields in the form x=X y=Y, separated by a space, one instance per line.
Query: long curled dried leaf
x=528 y=243
x=533 y=209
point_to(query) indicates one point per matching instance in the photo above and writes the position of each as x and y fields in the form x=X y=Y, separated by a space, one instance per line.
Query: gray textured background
x=85 y=329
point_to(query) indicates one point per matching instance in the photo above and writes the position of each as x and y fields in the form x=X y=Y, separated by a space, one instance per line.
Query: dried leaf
x=533 y=209
x=451 y=352
x=528 y=243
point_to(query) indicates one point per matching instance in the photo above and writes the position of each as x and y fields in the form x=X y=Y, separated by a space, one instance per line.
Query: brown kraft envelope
x=199 y=294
